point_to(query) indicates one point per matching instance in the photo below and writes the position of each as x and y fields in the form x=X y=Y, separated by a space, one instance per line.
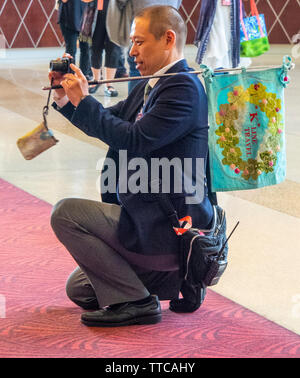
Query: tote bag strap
x=254 y=12
x=100 y=4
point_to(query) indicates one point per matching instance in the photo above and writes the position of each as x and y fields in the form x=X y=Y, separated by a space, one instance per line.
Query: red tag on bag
x=185 y=223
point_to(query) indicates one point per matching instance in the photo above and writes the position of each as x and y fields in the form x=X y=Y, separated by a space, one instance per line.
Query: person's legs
x=165 y=285
x=109 y=73
x=89 y=232
x=112 y=58
x=98 y=41
x=97 y=49
x=70 y=38
x=97 y=73
x=121 y=70
x=80 y=290
x=133 y=72
x=85 y=60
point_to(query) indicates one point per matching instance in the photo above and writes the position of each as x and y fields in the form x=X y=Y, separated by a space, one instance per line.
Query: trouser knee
x=73 y=289
x=80 y=291
x=60 y=212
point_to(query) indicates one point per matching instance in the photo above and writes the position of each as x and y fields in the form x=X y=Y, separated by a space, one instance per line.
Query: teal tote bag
x=247 y=127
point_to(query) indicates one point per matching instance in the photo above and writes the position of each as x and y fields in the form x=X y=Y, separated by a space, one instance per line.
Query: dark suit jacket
x=174 y=125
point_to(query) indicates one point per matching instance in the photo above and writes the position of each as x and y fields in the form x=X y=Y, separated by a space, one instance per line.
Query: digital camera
x=61 y=65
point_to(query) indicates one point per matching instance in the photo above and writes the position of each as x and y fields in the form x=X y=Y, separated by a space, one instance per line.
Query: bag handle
x=100 y=5
x=254 y=12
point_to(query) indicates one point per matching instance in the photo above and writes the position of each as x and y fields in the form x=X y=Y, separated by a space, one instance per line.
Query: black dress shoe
x=193 y=297
x=123 y=314
x=93 y=89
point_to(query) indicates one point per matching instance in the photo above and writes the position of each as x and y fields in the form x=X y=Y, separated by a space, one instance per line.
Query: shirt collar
x=162 y=71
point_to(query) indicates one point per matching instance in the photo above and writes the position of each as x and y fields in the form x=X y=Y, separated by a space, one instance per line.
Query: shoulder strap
x=211 y=195
x=168 y=209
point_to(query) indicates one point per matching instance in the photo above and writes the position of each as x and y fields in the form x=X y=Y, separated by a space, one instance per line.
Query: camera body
x=62 y=65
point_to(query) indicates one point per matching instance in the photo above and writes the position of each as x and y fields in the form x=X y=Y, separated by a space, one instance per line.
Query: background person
x=101 y=43
x=218 y=35
x=69 y=19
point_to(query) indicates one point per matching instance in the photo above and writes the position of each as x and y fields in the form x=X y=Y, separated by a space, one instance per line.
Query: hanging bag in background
x=39 y=139
x=253 y=33
x=247 y=127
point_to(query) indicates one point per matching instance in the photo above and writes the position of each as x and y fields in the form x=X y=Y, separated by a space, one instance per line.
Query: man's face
x=150 y=54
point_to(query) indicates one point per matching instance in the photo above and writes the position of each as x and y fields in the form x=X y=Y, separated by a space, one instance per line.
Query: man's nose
x=132 y=51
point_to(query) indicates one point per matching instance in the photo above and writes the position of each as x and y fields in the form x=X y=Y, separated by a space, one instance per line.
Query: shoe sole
x=153 y=319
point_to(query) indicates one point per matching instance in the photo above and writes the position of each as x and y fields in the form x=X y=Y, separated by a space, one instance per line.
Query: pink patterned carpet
x=38 y=320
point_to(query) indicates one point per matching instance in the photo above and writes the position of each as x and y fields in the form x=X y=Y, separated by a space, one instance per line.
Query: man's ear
x=170 y=38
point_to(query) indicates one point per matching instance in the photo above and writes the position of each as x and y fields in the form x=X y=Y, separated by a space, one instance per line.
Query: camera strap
x=48 y=134
x=46 y=108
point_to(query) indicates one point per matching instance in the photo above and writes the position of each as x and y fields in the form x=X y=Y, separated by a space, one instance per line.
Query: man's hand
x=58 y=77
x=75 y=85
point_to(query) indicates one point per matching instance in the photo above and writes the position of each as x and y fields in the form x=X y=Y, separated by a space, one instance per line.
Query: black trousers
x=70 y=38
x=101 y=42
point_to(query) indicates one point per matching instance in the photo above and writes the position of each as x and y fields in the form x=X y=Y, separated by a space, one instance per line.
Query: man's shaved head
x=163 y=18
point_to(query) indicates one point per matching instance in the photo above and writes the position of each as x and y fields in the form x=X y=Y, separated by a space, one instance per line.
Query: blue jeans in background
x=132 y=72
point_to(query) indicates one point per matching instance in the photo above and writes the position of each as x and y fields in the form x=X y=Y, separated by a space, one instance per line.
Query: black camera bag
x=203 y=256
x=203 y=253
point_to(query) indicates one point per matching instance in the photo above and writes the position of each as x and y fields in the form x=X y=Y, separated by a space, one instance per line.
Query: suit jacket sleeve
x=171 y=115
x=69 y=109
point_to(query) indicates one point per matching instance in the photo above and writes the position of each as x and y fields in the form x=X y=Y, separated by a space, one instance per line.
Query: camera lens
x=59 y=65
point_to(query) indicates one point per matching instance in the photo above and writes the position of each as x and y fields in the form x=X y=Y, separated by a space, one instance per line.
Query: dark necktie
x=147 y=91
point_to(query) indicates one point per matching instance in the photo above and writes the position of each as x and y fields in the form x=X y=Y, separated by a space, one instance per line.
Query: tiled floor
x=264 y=262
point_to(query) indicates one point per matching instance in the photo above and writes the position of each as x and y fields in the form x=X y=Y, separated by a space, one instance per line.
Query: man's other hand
x=75 y=85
